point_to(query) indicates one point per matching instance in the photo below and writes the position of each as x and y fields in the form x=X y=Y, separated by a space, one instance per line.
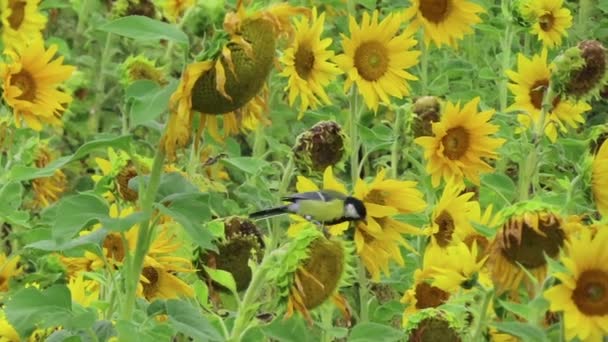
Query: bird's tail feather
x=269 y=212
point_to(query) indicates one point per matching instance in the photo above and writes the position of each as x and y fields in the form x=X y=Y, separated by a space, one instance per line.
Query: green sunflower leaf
x=369 y=331
x=143 y=28
x=186 y=318
x=525 y=331
x=222 y=277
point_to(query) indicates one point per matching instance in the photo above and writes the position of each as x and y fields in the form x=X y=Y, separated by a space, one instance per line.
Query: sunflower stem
x=487 y=298
x=99 y=99
x=144 y=236
x=505 y=64
x=424 y=65
x=396 y=143
x=363 y=294
x=353 y=133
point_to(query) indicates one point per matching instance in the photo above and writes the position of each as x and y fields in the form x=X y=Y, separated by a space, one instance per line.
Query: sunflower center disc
x=434 y=329
x=152 y=276
x=591 y=292
x=17 y=14
x=113 y=244
x=25 y=82
x=376 y=196
x=429 y=296
x=455 y=143
x=434 y=10
x=446 y=228
x=546 y=22
x=304 y=61
x=371 y=60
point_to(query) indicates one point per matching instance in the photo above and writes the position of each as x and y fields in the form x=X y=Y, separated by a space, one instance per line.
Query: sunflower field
x=336 y=170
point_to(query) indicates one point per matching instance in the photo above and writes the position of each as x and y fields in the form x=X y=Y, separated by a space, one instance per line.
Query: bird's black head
x=354 y=209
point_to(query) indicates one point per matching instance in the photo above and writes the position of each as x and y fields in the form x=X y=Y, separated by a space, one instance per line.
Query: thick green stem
x=505 y=65
x=396 y=143
x=585 y=8
x=287 y=176
x=363 y=294
x=353 y=132
x=479 y=328
x=95 y=111
x=145 y=234
x=424 y=65
x=259 y=142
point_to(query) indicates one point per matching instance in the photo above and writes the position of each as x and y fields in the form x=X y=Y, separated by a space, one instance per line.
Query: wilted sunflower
x=47 y=190
x=427 y=109
x=583 y=291
x=522 y=242
x=582 y=71
x=433 y=325
x=21 y=22
x=304 y=184
x=307 y=63
x=30 y=84
x=444 y=21
x=9 y=268
x=452 y=215
x=319 y=147
x=378 y=241
x=599 y=179
x=530 y=83
x=375 y=58
x=460 y=144
x=174 y=9
x=550 y=20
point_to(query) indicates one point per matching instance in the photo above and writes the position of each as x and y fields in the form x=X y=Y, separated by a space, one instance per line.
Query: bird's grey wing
x=325 y=196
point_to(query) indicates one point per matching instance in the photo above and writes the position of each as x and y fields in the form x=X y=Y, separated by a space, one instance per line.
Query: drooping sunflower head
x=427 y=111
x=581 y=72
x=550 y=20
x=461 y=144
x=599 y=179
x=30 y=84
x=319 y=147
x=307 y=63
x=376 y=57
x=582 y=293
x=21 y=22
x=47 y=190
x=123 y=8
x=525 y=238
x=444 y=22
x=432 y=325
x=243 y=242
x=139 y=67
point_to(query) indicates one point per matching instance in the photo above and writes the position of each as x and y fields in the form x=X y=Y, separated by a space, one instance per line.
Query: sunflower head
x=432 y=325
x=20 y=21
x=582 y=71
x=127 y=173
x=423 y=295
x=523 y=241
x=139 y=67
x=319 y=147
x=599 y=179
x=47 y=190
x=427 y=111
x=243 y=242
x=123 y=8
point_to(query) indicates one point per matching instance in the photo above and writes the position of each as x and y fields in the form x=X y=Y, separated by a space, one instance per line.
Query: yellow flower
x=423 y=295
x=378 y=241
x=47 y=190
x=444 y=21
x=461 y=144
x=7 y=332
x=30 y=84
x=529 y=86
x=307 y=63
x=375 y=58
x=174 y=9
x=599 y=179
x=84 y=291
x=551 y=21
x=9 y=268
x=158 y=280
x=452 y=216
x=583 y=292
x=460 y=267
x=304 y=184
x=21 y=22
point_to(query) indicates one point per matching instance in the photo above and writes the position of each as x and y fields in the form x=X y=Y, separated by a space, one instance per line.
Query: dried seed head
x=432 y=325
x=319 y=147
x=427 y=111
x=581 y=72
x=123 y=8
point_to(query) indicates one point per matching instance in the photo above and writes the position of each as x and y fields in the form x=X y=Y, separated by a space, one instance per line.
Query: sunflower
x=319 y=147
x=9 y=268
x=304 y=184
x=84 y=291
x=599 y=179
x=136 y=68
x=307 y=63
x=583 y=290
x=375 y=58
x=530 y=83
x=550 y=20
x=378 y=240
x=21 y=22
x=444 y=21
x=460 y=143
x=452 y=215
x=158 y=280
x=47 y=190
x=423 y=295
x=462 y=268
x=174 y=9
x=520 y=248
x=30 y=85
x=7 y=332
x=433 y=324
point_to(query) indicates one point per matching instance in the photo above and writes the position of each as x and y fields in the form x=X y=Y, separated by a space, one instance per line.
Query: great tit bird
x=325 y=207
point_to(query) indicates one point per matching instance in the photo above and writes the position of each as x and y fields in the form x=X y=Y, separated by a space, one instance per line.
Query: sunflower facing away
x=307 y=63
x=583 y=291
x=599 y=179
x=550 y=20
x=378 y=241
x=460 y=143
x=30 y=83
x=444 y=21
x=375 y=58
x=21 y=22
x=530 y=82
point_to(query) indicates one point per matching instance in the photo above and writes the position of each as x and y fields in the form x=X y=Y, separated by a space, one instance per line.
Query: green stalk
x=487 y=298
x=353 y=132
x=259 y=141
x=505 y=65
x=396 y=143
x=144 y=236
x=585 y=8
x=424 y=65
x=95 y=110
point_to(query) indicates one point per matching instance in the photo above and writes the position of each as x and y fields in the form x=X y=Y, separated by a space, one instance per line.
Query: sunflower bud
x=243 y=241
x=433 y=325
x=319 y=147
x=427 y=110
x=139 y=67
x=581 y=71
